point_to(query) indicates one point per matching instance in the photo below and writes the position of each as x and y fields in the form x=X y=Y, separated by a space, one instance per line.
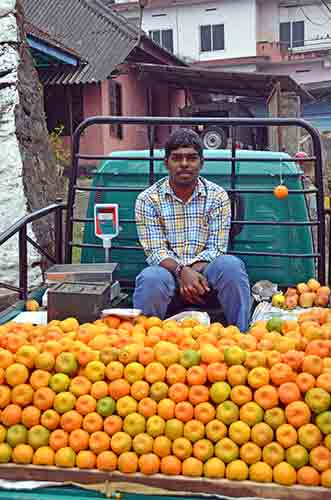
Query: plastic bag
x=264 y=290
x=200 y=316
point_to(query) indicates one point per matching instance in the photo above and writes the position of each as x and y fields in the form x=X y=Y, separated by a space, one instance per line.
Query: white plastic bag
x=200 y=316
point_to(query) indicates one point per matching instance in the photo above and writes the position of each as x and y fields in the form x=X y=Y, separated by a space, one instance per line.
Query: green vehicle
x=278 y=239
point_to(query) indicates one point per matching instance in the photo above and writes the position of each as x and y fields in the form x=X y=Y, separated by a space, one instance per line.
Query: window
x=163 y=38
x=115 y=107
x=292 y=34
x=64 y=107
x=211 y=37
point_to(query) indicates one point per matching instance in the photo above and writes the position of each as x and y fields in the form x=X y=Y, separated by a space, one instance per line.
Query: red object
x=301 y=155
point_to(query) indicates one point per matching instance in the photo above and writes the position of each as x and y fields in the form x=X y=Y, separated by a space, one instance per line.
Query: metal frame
x=232 y=124
x=20 y=227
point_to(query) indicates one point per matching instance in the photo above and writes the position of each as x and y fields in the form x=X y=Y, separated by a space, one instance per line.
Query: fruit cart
x=306 y=257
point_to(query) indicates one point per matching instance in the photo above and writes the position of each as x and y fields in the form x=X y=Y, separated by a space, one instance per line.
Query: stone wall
x=28 y=174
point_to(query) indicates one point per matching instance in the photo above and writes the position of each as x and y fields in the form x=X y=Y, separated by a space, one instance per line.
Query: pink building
x=86 y=55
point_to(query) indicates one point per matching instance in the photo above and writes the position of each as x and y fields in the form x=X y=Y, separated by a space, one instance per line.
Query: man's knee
x=155 y=277
x=228 y=266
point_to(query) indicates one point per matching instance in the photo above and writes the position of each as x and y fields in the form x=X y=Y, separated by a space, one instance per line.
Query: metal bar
x=320 y=203
x=90 y=220
x=233 y=135
x=276 y=254
x=23 y=263
x=229 y=190
x=58 y=225
x=151 y=140
x=10 y=287
x=27 y=219
x=71 y=193
x=273 y=223
x=94 y=245
x=41 y=250
x=161 y=158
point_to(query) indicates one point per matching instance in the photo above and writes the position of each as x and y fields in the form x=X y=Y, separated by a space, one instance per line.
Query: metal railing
x=20 y=227
x=232 y=124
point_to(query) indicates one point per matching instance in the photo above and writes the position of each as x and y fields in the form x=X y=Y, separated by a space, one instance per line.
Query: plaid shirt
x=195 y=231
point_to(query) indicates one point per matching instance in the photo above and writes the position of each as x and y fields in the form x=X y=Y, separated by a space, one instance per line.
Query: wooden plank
x=172 y=484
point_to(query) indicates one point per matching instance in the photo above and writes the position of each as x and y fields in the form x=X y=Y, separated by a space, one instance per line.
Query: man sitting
x=183 y=223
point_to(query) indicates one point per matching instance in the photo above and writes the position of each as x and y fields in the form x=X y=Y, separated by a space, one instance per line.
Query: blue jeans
x=155 y=288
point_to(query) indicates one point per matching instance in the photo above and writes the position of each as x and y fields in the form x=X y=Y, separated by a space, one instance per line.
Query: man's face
x=184 y=165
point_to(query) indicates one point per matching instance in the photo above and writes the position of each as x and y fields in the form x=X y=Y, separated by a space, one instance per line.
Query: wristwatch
x=178 y=270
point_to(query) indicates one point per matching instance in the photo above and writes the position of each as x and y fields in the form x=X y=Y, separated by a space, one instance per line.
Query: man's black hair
x=183 y=138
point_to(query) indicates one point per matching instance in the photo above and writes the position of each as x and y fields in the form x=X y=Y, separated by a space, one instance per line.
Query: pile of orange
x=156 y=396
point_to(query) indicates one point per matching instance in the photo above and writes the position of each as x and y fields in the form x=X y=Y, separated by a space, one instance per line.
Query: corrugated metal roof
x=102 y=37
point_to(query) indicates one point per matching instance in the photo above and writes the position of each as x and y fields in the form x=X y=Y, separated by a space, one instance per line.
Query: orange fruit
x=22 y=454
x=127 y=462
x=155 y=372
x=99 y=441
x=58 y=439
x=71 y=420
x=237 y=471
x=216 y=372
x=326 y=478
x=215 y=430
x=204 y=412
x=266 y=396
x=80 y=386
x=312 y=364
x=298 y=413
x=284 y=474
x=309 y=436
x=192 y=467
x=11 y=415
x=273 y=454
x=149 y=463
x=139 y=390
x=146 y=356
x=184 y=411
x=280 y=192
x=119 y=388
x=319 y=458
x=22 y=394
x=85 y=404
x=5 y=396
x=43 y=398
x=182 y=448
x=99 y=389
x=250 y=453
x=241 y=394
x=65 y=457
x=305 y=381
x=214 y=468
x=92 y=422
x=162 y=446
x=39 y=378
x=50 y=419
x=86 y=459
x=107 y=460
x=281 y=373
x=260 y=473
x=16 y=374
x=196 y=375
x=289 y=392
x=171 y=466
x=79 y=440
x=114 y=370
x=262 y=434
x=121 y=442
x=286 y=435
x=112 y=424
x=178 y=392
x=147 y=407
x=30 y=416
x=198 y=394
x=44 y=456
x=166 y=408
x=308 y=476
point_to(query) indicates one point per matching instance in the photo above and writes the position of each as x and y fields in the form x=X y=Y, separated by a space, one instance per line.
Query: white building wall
x=268 y=15
x=238 y=17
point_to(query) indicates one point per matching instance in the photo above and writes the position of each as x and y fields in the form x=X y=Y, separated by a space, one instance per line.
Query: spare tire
x=214 y=137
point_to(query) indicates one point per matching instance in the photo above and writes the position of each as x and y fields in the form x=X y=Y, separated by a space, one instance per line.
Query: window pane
x=167 y=40
x=205 y=38
x=298 y=34
x=218 y=37
x=156 y=36
x=285 y=35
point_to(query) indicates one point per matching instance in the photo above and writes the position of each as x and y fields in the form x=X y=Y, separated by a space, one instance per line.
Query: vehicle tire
x=214 y=137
